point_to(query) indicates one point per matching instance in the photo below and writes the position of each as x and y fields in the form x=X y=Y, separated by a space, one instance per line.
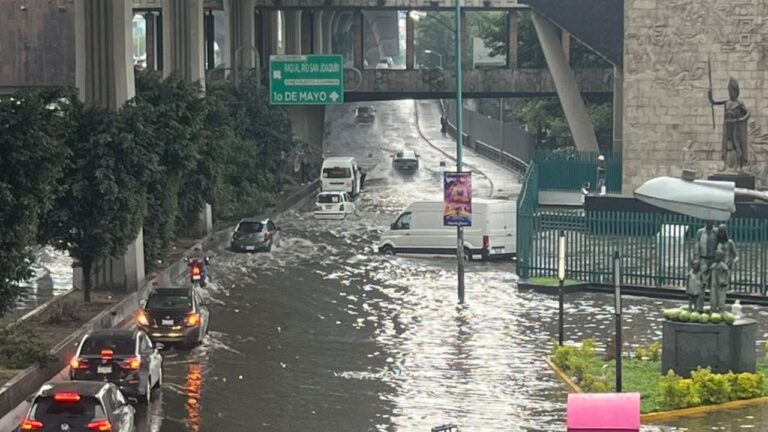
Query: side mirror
x=418 y=155
x=30 y=399
x=159 y=346
x=186 y=259
x=132 y=400
x=142 y=303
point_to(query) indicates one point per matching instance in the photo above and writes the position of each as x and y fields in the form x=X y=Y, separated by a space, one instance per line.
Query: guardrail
x=500 y=156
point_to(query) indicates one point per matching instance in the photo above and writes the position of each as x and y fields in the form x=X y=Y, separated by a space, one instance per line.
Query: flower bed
x=641 y=373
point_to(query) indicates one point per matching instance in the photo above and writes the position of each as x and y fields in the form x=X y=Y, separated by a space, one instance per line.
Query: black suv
x=175 y=315
x=123 y=357
x=365 y=114
x=79 y=406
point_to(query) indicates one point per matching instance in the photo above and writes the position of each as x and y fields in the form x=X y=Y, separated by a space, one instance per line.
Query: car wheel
x=467 y=254
x=387 y=250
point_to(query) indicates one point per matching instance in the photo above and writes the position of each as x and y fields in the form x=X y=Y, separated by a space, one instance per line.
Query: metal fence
x=655 y=247
x=568 y=171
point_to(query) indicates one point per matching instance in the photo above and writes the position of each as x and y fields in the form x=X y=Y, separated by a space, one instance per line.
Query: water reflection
x=194 y=393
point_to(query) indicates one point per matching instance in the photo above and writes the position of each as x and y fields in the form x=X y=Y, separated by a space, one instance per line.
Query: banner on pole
x=457 y=197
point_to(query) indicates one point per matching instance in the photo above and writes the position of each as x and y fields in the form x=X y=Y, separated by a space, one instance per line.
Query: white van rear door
x=501 y=226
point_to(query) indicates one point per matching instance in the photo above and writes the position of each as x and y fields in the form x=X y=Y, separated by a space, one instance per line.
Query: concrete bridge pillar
x=317 y=31
x=104 y=76
x=307 y=31
x=357 y=39
x=512 y=29
x=183 y=47
x=409 y=41
x=292 y=26
x=328 y=20
x=565 y=83
x=242 y=34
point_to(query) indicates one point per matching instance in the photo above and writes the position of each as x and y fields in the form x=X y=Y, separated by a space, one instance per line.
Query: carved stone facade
x=667 y=117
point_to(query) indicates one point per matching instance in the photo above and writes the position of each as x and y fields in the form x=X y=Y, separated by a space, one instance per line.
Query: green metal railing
x=568 y=171
x=655 y=247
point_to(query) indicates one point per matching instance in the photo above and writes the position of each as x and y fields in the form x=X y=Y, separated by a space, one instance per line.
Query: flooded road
x=324 y=334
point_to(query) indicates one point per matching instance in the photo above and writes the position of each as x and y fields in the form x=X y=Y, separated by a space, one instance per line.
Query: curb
x=20 y=387
x=563 y=376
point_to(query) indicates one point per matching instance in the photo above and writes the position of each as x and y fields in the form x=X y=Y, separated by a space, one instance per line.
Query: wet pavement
x=324 y=334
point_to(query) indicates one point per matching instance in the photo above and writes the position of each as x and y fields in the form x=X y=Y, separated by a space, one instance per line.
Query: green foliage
x=100 y=210
x=19 y=348
x=529 y=53
x=492 y=28
x=434 y=32
x=33 y=131
x=650 y=353
x=711 y=388
x=747 y=385
x=677 y=392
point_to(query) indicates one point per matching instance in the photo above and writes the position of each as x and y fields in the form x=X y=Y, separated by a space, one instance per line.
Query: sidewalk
x=506 y=183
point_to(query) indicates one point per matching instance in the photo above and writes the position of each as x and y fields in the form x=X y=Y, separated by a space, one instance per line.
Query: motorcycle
x=196 y=272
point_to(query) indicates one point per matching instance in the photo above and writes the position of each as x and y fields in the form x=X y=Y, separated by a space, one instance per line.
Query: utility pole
x=459 y=139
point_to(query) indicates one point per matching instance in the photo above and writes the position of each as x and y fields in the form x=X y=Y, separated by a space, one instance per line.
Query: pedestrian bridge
x=437 y=83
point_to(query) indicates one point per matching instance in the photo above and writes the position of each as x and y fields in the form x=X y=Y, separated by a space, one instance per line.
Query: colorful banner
x=457 y=193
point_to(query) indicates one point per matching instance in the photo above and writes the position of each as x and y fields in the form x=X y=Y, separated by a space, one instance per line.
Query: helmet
x=601 y=157
x=198 y=247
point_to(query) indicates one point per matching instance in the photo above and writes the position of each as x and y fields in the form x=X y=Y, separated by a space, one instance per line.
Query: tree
x=434 y=32
x=100 y=211
x=529 y=53
x=492 y=28
x=33 y=151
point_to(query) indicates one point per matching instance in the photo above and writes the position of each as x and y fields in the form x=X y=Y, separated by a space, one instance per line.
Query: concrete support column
x=512 y=29
x=409 y=40
x=357 y=38
x=292 y=26
x=618 y=109
x=183 y=32
x=307 y=32
x=317 y=32
x=565 y=40
x=308 y=123
x=565 y=83
x=466 y=44
x=242 y=34
x=273 y=38
x=151 y=40
x=328 y=32
x=104 y=76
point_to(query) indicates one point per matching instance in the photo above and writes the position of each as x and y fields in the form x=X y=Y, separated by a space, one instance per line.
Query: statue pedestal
x=722 y=347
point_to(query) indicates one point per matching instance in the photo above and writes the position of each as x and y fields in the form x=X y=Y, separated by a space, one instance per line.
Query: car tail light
x=31 y=425
x=77 y=363
x=106 y=354
x=133 y=363
x=66 y=397
x=196 y=270
x=486 y=242
x=141 y=318
x=193 y=319
x=100 y=425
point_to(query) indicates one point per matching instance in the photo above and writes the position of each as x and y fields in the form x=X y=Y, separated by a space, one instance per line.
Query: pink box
x=604 y=412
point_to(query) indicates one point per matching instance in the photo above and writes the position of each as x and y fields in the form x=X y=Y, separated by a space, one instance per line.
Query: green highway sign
x=306 y=79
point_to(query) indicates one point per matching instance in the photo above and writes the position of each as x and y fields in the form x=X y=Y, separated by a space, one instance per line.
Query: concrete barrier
x=14 y=393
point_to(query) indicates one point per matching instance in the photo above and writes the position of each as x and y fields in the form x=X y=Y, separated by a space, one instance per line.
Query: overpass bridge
x=88 y=44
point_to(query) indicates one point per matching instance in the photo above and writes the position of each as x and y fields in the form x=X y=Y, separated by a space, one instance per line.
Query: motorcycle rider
x=198 y=256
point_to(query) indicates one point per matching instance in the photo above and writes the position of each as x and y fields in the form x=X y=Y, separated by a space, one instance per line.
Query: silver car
x=255 y=235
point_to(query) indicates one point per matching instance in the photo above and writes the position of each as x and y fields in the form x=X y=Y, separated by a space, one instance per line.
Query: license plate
x=498 y=249
x=167 y=322
x=328 y=207
x=104 y=370
x=195 y=278
x=250 y=248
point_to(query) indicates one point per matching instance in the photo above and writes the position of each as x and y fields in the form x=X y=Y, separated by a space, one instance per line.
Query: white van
x=419 y=230
x=340 y=174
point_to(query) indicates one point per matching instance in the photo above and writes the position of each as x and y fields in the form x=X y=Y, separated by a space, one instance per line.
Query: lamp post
x=617 y=312
x=440 y=56
x=560 y=288
x=459 y=143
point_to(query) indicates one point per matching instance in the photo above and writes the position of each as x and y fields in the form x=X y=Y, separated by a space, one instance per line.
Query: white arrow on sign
x=334 y=96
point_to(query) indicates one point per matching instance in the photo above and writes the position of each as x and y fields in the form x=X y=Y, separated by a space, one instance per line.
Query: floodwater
x=324 y=334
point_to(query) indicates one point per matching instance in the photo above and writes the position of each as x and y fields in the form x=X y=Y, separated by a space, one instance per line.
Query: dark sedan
x=253 y=235
x=405 y=162
x=123 y=357
x=365 y=114
x=175 y=315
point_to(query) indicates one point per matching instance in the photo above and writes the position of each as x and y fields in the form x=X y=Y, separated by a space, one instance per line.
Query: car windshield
x=363 y=110
x=75 y=414
x=329 y=198
x=119 y=345
x=406 y=155
x=168 y=300
x=337 y=173
x=250 y=227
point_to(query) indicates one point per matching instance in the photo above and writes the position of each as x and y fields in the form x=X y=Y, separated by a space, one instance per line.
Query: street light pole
x=440 y=56
x=459 y=139
x=561 y=289
x=617 y=312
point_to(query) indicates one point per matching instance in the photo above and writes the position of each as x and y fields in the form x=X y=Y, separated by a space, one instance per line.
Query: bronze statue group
x=714 y=256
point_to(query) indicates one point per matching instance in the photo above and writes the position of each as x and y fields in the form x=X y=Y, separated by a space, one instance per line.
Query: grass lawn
x=643 y=377
x=551 y=281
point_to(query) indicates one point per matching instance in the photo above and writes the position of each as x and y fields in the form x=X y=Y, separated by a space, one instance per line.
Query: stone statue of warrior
x=735 y=131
